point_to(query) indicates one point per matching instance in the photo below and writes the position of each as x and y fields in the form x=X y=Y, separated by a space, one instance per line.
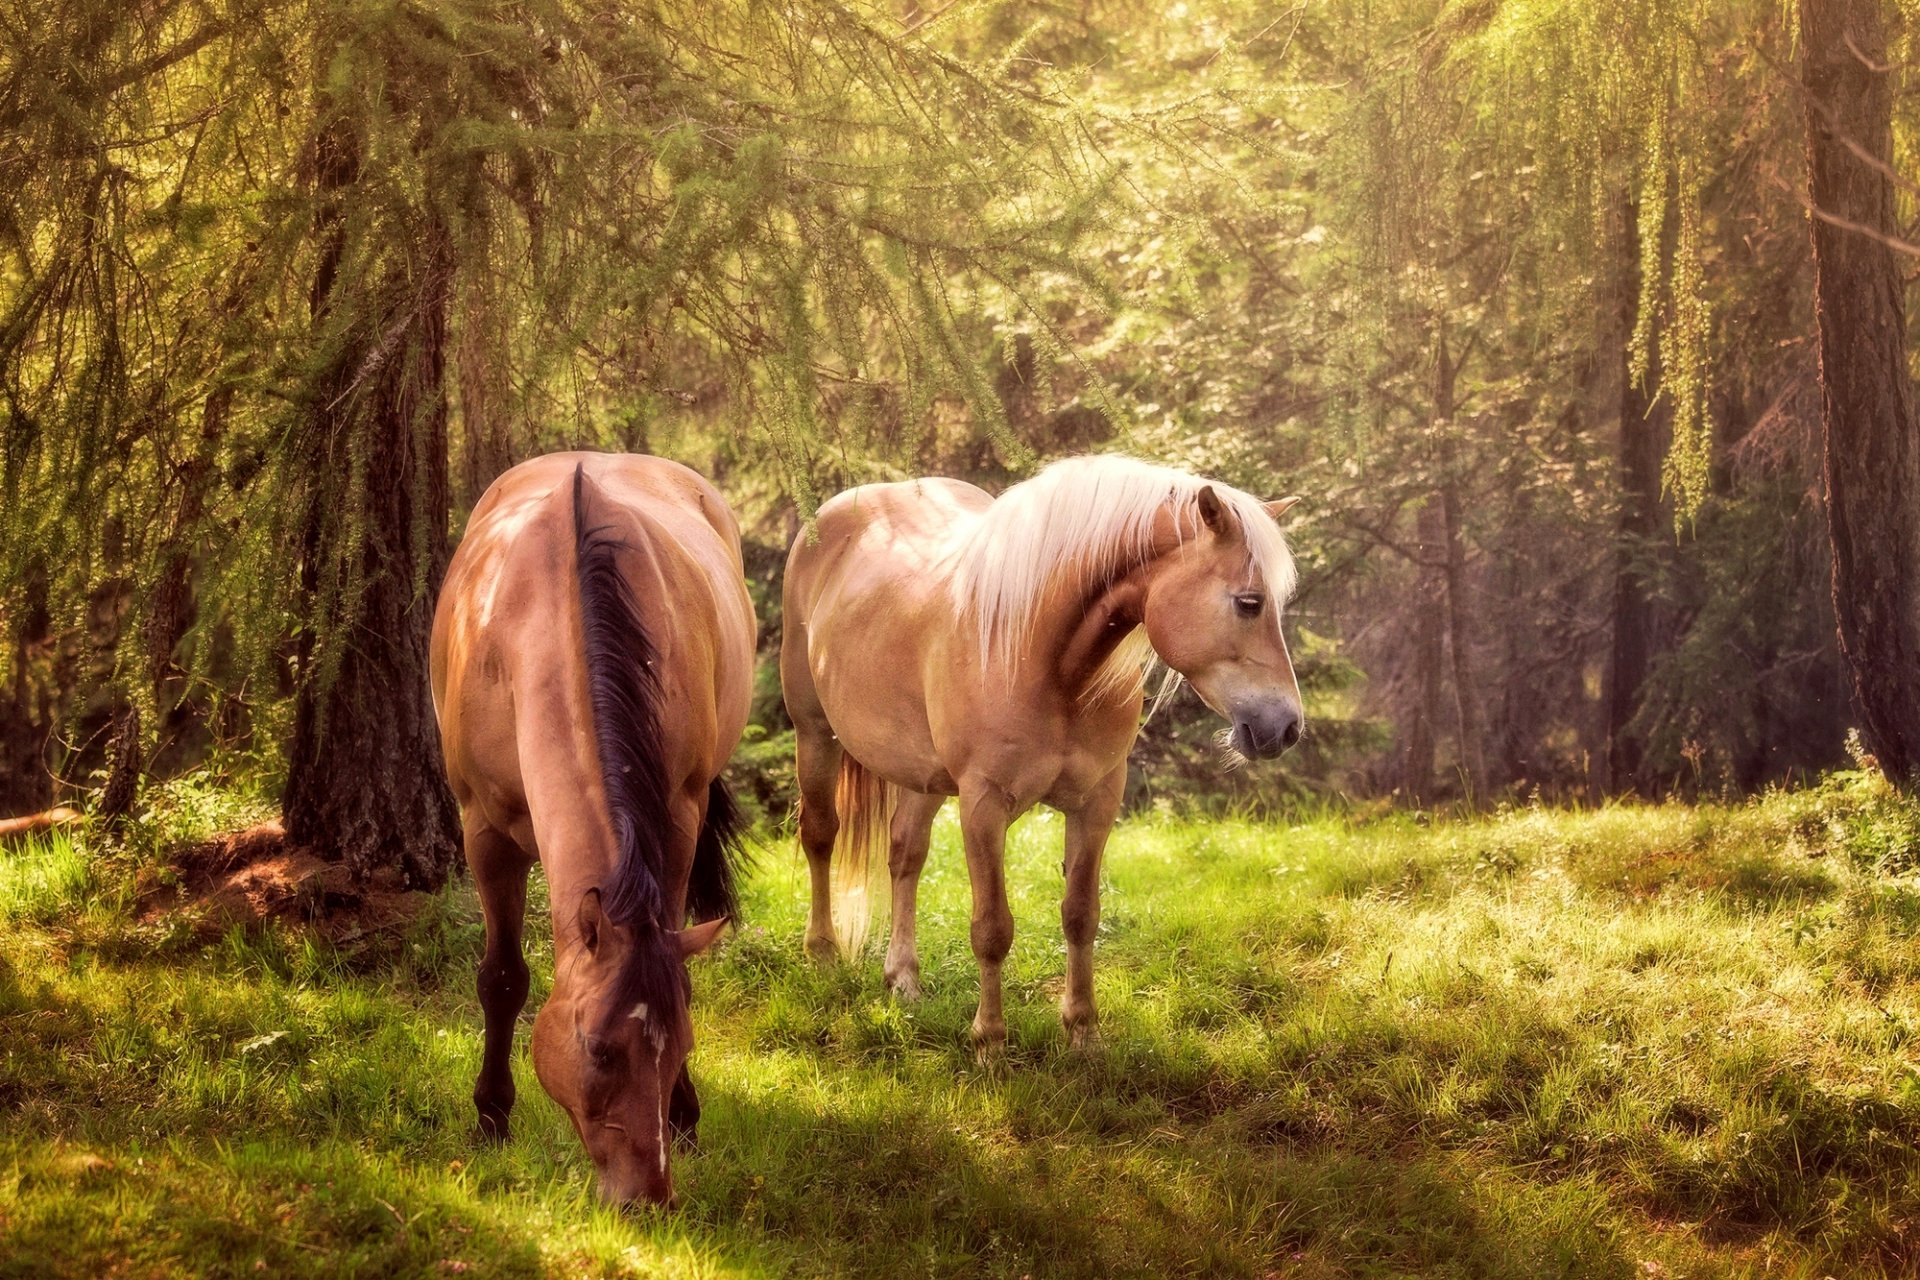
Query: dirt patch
x=247 y=877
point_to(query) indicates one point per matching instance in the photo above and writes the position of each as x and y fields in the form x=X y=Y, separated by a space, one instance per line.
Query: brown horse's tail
x=864 y=801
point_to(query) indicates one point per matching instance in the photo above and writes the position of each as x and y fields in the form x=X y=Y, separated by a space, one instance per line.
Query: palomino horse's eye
x=1249 y=603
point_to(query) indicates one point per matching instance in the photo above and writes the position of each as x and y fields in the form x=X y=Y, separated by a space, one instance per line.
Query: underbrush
x=1630 y=1041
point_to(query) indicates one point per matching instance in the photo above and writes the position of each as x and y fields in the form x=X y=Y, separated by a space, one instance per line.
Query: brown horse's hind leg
x=500 y=874
x=1087 y=832
x=906 y=855
x=817 y=760
x=984 y=815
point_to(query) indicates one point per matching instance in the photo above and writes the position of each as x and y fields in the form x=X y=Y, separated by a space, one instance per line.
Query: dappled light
x=1145 y=638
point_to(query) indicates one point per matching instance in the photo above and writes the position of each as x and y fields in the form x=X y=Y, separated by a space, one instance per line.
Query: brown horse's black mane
x=624 y=688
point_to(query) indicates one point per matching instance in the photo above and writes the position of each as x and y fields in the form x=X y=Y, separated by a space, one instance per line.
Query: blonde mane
x=1094 y=514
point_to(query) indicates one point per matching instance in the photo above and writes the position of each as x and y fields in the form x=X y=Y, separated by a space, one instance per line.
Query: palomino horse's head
x=1214 y=618
x=612 y=1040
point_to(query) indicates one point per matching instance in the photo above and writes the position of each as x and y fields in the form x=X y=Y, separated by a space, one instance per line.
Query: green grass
x=1629 y=1042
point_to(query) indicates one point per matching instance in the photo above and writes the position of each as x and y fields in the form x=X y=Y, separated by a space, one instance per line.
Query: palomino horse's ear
x=1215 y=513
x=698 y=937
x=1280 y=506
x=592 y=920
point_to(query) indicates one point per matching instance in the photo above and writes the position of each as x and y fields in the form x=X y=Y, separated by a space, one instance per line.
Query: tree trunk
x=1417 y=763
x=480 y=339
x=1451 y=551
x=124 y=765
x=1630 y=652
x=26 y=706
x=1872 y=439
x=365 y=783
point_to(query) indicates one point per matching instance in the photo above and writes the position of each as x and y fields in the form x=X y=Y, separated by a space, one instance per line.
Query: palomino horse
x=592 y=665
x=938 y=642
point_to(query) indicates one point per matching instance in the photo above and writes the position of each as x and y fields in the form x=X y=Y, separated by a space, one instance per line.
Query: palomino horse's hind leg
x=1087 y=832
x=500 y=874
x=984 y=815
x=817 y=760
x=906 y=855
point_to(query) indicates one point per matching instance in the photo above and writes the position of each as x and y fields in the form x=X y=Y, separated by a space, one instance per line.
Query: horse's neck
x=1094 y=608
x=566 y=799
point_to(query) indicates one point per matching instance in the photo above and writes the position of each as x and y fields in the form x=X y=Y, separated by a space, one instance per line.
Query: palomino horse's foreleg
x=1087 y=832
x=906 y=855
x=500 y=874
x=817 y=761
x=984 y=816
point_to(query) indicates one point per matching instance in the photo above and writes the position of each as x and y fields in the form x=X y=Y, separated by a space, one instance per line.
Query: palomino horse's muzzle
x=1261 y=733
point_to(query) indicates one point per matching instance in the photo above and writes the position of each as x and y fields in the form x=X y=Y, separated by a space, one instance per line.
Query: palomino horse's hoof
x=1083 y=1037
x=905 y=988
x=989 y=1044
x=823 y=951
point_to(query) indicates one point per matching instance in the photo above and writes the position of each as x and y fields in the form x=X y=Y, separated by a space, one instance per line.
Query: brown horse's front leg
x=683 y=1111
x=1087 y=832
x=500 y=874
x=984 y=815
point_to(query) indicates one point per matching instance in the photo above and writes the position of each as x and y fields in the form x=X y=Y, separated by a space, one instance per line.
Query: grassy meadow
x=1631 y=1042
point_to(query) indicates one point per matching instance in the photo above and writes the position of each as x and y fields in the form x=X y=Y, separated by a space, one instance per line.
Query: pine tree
x=1872 y=443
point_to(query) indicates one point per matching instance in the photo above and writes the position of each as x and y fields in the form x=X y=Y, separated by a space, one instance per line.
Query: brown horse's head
x=612 y=1041
x=1213 y=615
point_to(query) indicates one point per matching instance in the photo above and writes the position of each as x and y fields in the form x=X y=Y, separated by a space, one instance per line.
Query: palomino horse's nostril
x=1291 y=734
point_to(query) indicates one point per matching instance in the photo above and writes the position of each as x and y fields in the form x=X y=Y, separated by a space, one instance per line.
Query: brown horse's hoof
x=905 y=987
x=490 y=1130
x=823 y=951
x=1083 y=1037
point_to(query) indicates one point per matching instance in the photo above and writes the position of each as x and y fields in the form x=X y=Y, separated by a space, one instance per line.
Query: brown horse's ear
x=1215 y=513
x=1280 y=506
x=696 y=938
x=592 y=921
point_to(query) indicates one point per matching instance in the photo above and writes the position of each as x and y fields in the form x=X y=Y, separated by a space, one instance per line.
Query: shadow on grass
x=892 y=1190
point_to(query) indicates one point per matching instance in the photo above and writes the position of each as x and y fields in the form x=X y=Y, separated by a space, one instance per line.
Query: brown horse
x=938 y=642
x=592 y=665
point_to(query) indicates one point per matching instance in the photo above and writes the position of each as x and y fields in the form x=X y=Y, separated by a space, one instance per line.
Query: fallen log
x=47 y=820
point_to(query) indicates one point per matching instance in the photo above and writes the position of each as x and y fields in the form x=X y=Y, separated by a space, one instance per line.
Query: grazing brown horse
x=592 y=665
x=939 y=642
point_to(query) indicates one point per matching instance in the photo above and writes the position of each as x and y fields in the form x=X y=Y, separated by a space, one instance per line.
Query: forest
x=1578 y=934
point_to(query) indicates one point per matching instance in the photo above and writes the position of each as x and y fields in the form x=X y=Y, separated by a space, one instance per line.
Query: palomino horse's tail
x=717 y=858
x=864 y=801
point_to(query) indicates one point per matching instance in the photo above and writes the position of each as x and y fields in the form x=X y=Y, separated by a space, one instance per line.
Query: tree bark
x=1630 y=651
x=26 y=706
x=1871 y=443
x=1466 y=690
x=1417 y=762
x=365 y=784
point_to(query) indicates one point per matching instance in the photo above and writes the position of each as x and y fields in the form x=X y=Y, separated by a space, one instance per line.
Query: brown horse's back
x=509 y=678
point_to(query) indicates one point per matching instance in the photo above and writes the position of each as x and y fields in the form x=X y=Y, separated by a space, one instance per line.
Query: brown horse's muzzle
x=634 y=1179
